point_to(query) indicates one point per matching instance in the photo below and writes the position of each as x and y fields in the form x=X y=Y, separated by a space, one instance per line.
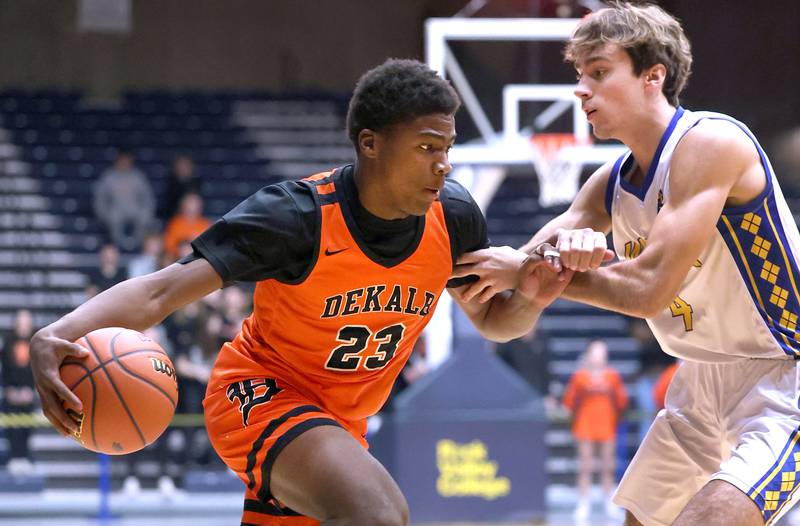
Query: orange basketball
x=128 y=389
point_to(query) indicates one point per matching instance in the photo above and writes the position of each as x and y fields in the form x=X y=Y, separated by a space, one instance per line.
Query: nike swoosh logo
x=329 y=252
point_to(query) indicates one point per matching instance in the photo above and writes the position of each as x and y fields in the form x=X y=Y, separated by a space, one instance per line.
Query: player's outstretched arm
x=715 y=164
x=499 y=268
x=137 y=303
x=511 y=314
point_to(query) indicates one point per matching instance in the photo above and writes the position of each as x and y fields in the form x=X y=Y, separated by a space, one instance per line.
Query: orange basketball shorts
x=249 y=423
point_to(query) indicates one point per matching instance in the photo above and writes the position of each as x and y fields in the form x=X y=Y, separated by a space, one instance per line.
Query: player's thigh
x=680 y=452
x=326 y=473
x=764 y=424
x=720 y=503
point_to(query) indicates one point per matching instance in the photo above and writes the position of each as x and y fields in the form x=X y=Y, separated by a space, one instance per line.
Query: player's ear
x=367 y=143
x=656 y=75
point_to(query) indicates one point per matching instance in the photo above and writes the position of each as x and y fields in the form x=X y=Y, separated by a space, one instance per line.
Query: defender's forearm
x=621 y=288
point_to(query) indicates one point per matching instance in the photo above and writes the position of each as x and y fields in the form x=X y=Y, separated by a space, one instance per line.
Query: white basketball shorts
x=736 y=422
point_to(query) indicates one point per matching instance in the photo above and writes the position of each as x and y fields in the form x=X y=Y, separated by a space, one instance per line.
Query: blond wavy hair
x=647 y=33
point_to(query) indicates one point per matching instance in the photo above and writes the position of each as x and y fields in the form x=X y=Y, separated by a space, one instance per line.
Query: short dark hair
x=399 y=90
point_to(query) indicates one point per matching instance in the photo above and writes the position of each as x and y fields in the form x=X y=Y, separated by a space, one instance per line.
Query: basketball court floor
x=73 y=508
x=149 y=508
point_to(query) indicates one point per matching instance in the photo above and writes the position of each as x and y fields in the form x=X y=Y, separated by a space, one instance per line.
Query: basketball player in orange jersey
x=709 y=259
x=349 y=265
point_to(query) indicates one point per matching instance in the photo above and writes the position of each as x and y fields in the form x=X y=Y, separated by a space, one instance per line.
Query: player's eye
x=426 y=147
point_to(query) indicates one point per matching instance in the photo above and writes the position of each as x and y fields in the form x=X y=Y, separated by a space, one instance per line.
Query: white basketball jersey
x=740 y=299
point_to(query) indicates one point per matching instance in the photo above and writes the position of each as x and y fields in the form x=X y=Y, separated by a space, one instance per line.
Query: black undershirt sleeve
x=465 y=224
x=270 y=235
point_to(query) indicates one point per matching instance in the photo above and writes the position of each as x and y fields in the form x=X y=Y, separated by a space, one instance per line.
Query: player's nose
x=581 y=91
x=442 y=166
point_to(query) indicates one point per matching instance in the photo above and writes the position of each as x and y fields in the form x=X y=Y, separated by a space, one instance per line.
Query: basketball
x=128 y=388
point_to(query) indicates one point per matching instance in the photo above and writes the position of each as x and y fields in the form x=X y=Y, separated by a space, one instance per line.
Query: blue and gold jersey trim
x=757 y=241
x=776 y=487
x=641 y=191
x=758 y=244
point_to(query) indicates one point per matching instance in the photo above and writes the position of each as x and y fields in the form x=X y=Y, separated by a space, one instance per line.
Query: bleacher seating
x=53 y=147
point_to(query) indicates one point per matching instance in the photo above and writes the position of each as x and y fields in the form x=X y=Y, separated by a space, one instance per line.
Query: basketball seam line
x=89 y=372
x=148 y=382
x=94 y=398
x=114 y=386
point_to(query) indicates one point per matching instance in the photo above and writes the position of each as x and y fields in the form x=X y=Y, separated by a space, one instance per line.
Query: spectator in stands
x=108 y=273
x=184 y=227
x=18 y=391
x=596 y=398
x=124 y=202
x=660 y=389
x=150 y=258
x=530 y=357
x=194 y=348
x=182 y=181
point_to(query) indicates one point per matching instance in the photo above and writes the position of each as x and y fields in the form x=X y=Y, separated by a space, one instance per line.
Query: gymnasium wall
x=745 y=52
x=272 y=44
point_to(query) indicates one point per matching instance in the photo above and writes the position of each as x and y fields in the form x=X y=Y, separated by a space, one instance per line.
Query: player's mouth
x=433 y=191
x=589 y=113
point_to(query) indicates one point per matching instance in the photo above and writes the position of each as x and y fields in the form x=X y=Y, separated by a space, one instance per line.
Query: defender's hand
x=47 y=354
x=583 y=249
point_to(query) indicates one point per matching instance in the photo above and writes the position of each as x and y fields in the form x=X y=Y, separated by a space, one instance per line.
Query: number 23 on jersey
x=355 y=340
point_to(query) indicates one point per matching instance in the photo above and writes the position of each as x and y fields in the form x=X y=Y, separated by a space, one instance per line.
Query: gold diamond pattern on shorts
x=771 y=500
x=787 y=481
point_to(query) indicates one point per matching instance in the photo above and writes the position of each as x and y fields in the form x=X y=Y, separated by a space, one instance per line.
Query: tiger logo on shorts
x=250 y=393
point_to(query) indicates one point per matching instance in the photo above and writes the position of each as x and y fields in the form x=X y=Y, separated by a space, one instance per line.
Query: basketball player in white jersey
x=708 y=252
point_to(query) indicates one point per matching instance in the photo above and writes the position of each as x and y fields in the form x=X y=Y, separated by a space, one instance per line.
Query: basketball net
x=558 y=175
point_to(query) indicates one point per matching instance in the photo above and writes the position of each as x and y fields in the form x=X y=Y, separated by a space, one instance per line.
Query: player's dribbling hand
x=498 y=269
x=47 y=354
x=582 y=249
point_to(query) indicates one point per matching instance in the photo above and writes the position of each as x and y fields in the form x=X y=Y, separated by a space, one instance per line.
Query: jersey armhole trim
x=758 y=201
x=612 y=182
x=449 y=227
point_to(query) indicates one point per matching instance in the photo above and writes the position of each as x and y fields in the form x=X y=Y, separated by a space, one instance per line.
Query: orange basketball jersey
x=342 y=334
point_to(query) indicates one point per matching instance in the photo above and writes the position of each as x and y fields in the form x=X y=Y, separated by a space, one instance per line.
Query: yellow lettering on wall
x=465 y=470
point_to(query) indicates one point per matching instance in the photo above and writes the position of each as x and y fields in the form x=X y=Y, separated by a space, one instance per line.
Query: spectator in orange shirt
x=186 y=225
x=596 y=398
x=660 y=389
